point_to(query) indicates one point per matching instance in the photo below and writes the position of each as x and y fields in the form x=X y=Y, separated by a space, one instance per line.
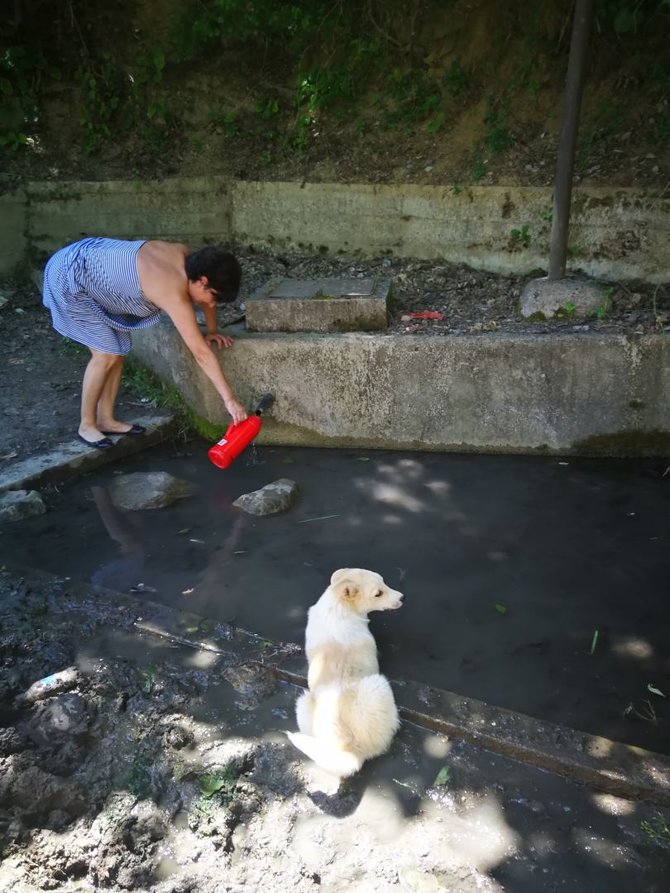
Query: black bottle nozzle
x=265 y=402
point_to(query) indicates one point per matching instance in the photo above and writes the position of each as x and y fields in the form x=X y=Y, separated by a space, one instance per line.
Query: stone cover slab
x=319 y=305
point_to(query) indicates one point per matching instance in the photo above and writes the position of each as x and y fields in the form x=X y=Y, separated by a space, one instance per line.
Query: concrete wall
x=615 y=233
x=584 y=393
x=51 y=214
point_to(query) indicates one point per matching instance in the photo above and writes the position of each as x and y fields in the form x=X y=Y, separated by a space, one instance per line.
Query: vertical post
x=574 y=83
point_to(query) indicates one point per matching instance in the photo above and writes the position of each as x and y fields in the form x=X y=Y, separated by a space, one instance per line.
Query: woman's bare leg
x=107 y=400
x=100 y=367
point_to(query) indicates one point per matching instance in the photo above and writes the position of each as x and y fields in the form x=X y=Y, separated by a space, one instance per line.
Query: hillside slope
x=435 y=91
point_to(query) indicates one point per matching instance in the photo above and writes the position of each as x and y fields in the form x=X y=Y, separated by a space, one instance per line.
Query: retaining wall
x=616 y=233
x=582 y=393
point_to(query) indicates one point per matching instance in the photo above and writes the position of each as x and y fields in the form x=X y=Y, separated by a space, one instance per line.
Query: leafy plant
x=657 y=829
x=101 y=97
x=68 y=348
x=22 y=70
x=149 y=677
x=138 y=777
x=564 y=313
x=443 y=777
x=521 y=235
x=222 y=783
x=479 y=169
x=436 y=124
x=601 y=311
x=497 y=137
x=267 y=108
x=230 y=127
x=456 y=80
x=413 y=96
x=144 y=384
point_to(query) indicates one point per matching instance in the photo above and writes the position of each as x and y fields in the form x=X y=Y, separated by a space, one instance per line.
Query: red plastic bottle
x=237 y=437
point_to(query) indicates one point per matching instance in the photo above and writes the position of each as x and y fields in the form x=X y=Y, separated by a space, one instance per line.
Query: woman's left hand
x=219 y=340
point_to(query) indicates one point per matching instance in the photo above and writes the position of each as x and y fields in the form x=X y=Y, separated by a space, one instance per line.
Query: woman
x=99 y=290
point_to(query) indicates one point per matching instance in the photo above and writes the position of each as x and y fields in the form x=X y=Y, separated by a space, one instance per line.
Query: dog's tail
x=340 y=762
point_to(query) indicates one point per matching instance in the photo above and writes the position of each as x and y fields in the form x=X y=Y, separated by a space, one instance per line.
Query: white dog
x=348 y=715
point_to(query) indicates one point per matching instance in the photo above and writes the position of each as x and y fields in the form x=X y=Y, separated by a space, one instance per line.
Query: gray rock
x=52 y=685
x=10 y=742
x=148 y=490
x=15 y=505
x=275 y=497
x=65 y=714
x=569 y=297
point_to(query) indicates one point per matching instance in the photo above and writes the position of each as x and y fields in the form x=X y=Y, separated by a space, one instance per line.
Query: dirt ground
x=156 y=767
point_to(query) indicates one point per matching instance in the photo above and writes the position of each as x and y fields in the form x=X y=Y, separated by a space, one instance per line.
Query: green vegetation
x=138 y=777
x=221 y=783
x=565 y=312
x=374 y=63
x=601 y=311
x=69 y=348
x=521 y=236
x=150 y=389
x=657 y=829
x=146 y=385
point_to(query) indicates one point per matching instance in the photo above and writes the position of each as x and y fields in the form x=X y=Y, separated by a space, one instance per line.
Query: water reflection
x=124 y=572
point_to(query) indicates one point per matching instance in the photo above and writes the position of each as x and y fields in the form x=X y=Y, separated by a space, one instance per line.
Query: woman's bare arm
x=181 y=313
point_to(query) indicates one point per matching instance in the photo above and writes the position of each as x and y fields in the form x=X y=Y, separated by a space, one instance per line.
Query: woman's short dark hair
x=221 y=268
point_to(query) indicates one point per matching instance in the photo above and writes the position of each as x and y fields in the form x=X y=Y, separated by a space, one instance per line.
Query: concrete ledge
x=610 y=766
x=583 y=393
x=71 y=459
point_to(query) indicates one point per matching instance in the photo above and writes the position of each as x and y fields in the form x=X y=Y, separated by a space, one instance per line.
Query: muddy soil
x=158 y=767
x=40 y=385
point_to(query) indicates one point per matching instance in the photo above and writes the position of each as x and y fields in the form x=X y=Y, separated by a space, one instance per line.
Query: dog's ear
x=343 y=585
x=339 y=575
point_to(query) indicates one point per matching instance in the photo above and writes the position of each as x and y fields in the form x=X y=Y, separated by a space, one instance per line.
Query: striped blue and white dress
x=92 y=289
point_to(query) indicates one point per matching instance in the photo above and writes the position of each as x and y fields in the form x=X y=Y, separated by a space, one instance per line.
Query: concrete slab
x=68 y=460
x=571 y=297
x=319 y=305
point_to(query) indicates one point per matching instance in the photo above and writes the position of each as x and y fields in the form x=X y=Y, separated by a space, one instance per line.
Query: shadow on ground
x=164 y=767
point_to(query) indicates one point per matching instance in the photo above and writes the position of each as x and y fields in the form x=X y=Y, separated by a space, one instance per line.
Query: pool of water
x=533 y=583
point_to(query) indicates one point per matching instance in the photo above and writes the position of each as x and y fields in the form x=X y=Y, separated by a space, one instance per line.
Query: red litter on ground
x=423 y=314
